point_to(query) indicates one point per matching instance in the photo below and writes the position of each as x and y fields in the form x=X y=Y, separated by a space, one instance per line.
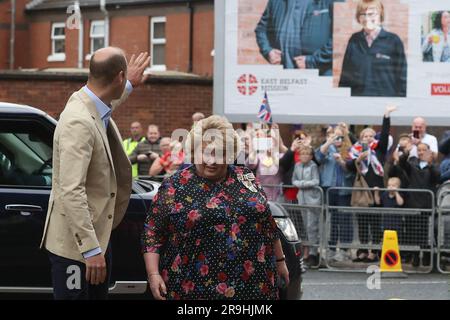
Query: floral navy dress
x=215 y=239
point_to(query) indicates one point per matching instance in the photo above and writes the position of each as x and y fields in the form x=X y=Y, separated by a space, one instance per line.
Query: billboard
x=325 y=61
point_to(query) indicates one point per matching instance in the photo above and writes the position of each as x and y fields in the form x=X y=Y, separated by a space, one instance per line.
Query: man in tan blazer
x=91 y=182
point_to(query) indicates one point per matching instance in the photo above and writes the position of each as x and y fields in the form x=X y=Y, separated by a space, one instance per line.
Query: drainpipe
x=13 y=34
x=105 y=12
x=191 y=36
x=80 y=35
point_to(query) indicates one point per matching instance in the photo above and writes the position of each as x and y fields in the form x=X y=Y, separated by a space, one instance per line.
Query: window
x=158 y=43
x=58 y=38
x=97 y=35
x=25 y=154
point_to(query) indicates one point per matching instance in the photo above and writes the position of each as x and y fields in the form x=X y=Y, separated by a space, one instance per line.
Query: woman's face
x=340 y=138
x=212 y=166
x=368 y=137
x=370 y=19
x=445 y=20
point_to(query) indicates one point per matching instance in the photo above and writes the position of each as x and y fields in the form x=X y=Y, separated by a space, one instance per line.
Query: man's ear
x=120 y=78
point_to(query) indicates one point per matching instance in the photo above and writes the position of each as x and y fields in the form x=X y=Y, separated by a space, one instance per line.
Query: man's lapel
x=98 y=123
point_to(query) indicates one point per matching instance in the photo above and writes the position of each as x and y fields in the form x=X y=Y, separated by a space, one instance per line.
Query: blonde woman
x=213 y=220
x=368 y=155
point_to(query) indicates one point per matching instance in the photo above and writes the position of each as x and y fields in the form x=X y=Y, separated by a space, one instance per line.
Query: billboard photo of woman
x=374 y=62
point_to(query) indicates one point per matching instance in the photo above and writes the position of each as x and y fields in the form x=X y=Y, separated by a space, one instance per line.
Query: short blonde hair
x=363 y=132
x=396 y=179
x=221 y=134
x=363 y=5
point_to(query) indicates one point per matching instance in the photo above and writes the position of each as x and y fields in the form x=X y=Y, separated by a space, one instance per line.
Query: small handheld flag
x=265 y=114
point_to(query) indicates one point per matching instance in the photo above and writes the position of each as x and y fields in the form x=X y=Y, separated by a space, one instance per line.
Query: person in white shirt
x=420 y=135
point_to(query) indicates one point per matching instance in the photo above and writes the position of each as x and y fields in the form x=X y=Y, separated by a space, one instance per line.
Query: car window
x=25 y=153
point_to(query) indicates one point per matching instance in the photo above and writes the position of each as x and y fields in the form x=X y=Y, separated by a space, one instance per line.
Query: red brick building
x=178 y=34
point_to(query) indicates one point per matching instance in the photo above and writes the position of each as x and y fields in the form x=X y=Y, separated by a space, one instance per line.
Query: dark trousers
x=69 y=279
x=341 y=223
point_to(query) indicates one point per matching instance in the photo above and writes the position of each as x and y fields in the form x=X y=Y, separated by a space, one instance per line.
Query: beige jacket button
x=113 y=195
x=110 y=216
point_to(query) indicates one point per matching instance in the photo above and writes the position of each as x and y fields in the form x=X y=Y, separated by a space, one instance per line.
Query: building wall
x=168 y=103
x=203 y=41
x=21 y=46
x=130 y=30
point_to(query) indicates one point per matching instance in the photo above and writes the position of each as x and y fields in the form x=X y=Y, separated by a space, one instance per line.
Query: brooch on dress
x=247 y=181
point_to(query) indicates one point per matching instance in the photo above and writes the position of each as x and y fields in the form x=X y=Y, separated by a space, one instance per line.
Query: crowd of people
x=343 y=159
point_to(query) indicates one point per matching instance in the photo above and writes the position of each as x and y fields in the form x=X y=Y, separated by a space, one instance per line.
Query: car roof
x=6 y=107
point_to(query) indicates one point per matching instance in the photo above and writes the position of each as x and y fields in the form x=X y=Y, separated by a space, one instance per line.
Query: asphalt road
x=326 y=285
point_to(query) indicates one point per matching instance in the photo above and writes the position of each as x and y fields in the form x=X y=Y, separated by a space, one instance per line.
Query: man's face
x=164 y=145
x=419 y=125
x=136 y=129
x=404 y=143
x=152 y=134
x=370 y=19
x=422 y=151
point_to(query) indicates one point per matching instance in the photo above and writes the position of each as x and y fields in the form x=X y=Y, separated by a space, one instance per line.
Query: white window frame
x=60 y=56
x=156 y=67
x=92 y=36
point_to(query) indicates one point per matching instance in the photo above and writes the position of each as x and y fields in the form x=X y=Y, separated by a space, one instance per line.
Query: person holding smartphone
x=147 y=151
x=419 y=135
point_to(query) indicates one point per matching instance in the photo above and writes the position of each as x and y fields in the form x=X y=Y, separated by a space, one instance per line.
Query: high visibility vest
x=129 y=145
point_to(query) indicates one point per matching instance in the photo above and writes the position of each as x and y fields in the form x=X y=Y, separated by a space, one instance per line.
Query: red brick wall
x=203 y=41
x=250 y=12
x=21 y=35
x=177 y=42
x=4 y=34
x=130 y=33
x=167 y=104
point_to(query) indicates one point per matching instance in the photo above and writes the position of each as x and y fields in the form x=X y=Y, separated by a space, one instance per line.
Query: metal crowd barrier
x=343 y=229
x=307 y=218
x=351 y=229
x=443 y=239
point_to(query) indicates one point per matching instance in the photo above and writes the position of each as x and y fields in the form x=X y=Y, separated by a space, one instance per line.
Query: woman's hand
x=363 y=156
x=157 y=286
x=283 y=271
x=389 y=109
x=295 y=145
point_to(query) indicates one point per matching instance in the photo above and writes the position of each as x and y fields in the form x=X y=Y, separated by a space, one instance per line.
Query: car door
x=25 y=183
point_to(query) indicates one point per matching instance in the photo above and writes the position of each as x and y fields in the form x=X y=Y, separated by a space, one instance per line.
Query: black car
x=26 y=140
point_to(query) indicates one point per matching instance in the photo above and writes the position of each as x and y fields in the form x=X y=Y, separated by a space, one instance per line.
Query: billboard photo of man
x=297 y=34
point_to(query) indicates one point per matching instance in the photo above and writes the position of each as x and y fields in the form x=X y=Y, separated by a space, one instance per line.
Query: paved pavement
x=326 y=285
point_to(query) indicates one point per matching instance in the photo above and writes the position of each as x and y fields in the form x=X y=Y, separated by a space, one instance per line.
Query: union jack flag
x=265 y=114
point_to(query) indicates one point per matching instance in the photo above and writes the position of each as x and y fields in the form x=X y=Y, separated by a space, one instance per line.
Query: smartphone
x=262 y=144
x=365 y=146
x=416 y=134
